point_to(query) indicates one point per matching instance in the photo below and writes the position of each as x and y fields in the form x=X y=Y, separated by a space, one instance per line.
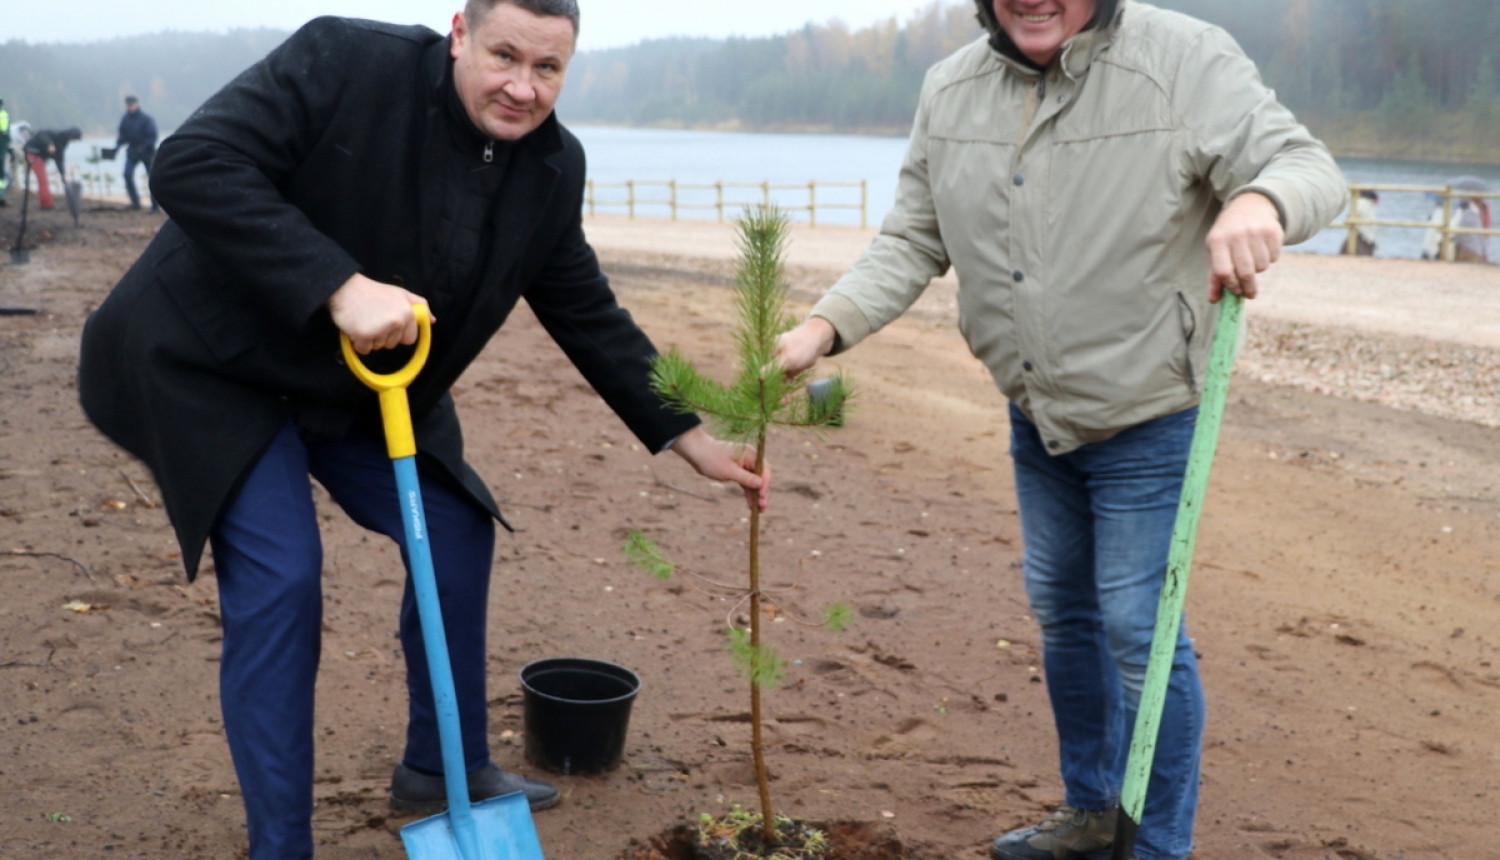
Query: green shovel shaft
x=1179 y=564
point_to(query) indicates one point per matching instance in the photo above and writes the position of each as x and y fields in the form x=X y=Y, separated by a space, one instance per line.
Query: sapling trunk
x=757 y=739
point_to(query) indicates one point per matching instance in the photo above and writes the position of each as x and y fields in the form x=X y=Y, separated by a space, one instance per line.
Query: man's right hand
x=374 y=315
x=800 y=348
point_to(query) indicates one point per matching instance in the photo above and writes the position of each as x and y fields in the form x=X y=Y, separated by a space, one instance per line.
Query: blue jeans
x=1097 y=524
x=269 y=563
x=132 y=158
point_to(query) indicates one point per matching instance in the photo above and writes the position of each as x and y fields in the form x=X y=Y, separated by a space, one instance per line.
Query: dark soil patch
x=848 y=840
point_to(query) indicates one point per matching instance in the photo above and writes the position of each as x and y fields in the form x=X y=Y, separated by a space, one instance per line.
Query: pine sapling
x=761 y=395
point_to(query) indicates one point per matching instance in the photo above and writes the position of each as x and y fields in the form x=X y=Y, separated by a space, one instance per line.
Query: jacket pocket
x=1187 y=323
x=200 y=290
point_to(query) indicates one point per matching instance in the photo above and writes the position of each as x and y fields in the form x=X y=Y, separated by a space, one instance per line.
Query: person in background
x=4 y=151
x=216 y=358
x=1432 y=239
x=1471 y=213
x=1365 y=209
x=1097 y=172
x=43 y=145
x=138 y=133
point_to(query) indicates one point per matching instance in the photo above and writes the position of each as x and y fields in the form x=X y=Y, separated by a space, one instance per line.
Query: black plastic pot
x=577 y=711
x=20 y=256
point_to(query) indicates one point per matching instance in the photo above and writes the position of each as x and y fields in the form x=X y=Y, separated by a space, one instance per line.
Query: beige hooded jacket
x=1073 y=205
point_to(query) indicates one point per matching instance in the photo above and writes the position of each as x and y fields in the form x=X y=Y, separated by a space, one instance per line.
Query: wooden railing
x=669 y=193
x=1447 y=229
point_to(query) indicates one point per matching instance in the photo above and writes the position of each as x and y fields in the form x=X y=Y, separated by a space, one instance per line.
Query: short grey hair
x=476 y=10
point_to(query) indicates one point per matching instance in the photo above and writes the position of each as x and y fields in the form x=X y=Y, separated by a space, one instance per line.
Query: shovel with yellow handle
x=499 y=828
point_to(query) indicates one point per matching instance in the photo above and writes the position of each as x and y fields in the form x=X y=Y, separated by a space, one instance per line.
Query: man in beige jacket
x=1097 y=172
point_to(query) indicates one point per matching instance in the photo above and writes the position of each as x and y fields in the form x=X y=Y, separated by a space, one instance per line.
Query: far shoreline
x=1394 y=150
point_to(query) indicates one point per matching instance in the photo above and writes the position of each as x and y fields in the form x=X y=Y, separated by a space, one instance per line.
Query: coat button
x=1026 y=365
x=1053 y=444
x=1018 y=179
x=1018 y=276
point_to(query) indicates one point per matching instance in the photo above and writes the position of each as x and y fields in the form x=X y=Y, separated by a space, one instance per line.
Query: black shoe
x=426 y=794
x=134 y=207
x=1066 y=834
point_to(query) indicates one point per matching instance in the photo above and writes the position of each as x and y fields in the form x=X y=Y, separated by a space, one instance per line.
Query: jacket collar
x=1077 y=54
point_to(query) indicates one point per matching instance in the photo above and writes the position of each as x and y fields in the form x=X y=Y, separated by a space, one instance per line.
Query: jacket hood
x=1001 y=41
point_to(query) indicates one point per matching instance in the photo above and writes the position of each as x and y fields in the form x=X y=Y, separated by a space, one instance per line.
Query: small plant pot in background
x=577 y=711
x=20 y=256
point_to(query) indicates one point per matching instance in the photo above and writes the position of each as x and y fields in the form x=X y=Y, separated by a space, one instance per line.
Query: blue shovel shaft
x=434 y=638
x=1179 y=565
x=501 y=825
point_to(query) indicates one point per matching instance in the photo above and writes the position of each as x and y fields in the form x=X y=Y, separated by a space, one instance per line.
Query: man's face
x=1040 y=27
x=509 y=69
x=130 y=107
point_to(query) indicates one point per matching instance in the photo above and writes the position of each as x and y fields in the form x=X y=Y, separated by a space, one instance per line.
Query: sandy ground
x=1344 y=599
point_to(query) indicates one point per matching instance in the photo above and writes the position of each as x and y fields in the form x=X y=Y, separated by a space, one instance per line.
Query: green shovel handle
x=1179 y=564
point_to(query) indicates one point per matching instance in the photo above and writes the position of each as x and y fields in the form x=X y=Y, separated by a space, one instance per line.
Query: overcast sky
x=606 y=23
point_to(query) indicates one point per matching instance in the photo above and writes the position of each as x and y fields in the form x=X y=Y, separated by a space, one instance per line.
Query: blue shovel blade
x=503 y=824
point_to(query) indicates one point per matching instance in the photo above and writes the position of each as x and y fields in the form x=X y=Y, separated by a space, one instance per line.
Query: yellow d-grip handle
x=395 y=412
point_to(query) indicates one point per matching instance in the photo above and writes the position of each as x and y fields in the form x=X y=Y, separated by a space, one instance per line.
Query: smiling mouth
x=1038 y=19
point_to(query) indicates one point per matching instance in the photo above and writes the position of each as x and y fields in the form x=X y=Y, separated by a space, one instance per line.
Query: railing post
x=812 y=203
x=765 y=193
x=719 y=199
x=591 y=198
x=1351 y=245
x=1446 y=252
x=630 y=196
x=864 y=203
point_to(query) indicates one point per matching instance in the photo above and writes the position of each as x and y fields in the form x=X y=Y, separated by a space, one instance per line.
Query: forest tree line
x=84 y=84
x=1395 y=78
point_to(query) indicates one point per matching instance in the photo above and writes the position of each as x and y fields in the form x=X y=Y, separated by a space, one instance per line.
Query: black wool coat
x=345 y=150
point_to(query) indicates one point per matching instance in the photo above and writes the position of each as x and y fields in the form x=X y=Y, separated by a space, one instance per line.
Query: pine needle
x=642 y=552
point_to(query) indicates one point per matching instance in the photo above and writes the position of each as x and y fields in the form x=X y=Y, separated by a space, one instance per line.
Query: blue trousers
x=269 y=563
x=1097 y=525
x=132 y=158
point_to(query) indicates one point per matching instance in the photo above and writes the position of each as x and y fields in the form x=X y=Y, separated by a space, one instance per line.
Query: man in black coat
x=138 y=135
x=358 y=170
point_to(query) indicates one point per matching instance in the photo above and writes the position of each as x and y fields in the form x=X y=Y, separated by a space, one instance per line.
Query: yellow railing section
x=669 y=193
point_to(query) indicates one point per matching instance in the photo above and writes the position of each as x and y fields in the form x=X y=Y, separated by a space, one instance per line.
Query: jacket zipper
x=1029 y=115
x=489 y=151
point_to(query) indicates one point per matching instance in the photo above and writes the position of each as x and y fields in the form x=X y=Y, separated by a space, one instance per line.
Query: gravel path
x=1407 y=334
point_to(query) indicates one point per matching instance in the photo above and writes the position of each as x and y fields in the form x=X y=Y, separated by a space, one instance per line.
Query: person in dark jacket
x=358 y=170
x=138 y=134
x=45 y=144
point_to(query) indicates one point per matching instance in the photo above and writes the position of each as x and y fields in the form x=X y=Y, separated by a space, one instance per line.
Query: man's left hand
x=722 y=461
x=1244 y=241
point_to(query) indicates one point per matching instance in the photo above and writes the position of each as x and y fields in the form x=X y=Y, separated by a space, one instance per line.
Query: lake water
x=704 y=157
x=701 y=157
